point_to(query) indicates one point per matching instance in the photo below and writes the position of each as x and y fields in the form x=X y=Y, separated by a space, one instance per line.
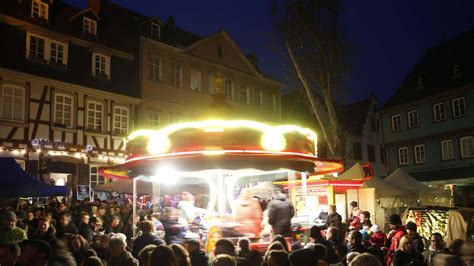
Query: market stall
x=228 y=155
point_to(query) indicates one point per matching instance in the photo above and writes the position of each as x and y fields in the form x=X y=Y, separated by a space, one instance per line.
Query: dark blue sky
x=389 y=36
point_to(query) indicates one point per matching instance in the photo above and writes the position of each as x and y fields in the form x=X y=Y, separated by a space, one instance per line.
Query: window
x=271 y=101
x=95 y=112
x=357 y=150
x=12 y=102
x=220 y=51
x=371 y=152
x=63 y=110
x=212 y=83
x=155 y=30
x=421 y=83
x=95 y=178
x=439 y=112
x=120 y=120
x=154 y=68
x=100 y=65
x=229 y=89
x=57 y=53
x=420 y=156
x=413 y=119
x=459 y=107
x=155 y=119
x=447 y=150
x=39 y=10
x=403 y=156
x=175 y=119
x=89 y=26
x=396 y=122
x=245 y=94
x=175 y=79
x=37 y=45
x=46 y=50
x=457 y=71
x=258 y=97
x=196 y=80
x=467 y=147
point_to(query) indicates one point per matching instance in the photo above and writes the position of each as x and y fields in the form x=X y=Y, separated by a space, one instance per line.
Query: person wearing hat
x=378 y=237
x=395 y=235
x=418 y=244
x=9 y=232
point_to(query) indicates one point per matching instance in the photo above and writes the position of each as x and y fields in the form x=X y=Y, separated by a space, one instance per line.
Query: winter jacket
x=418 y=244
x=403 y=258
x=144 y=240
x=378 y=239
x=198 y=258
x=61 y=230
x=334 y=219
x=126 y=259
x=280 y=212
x=394 y=240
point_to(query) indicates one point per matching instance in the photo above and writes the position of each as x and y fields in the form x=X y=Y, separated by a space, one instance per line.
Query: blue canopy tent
x=14 y=182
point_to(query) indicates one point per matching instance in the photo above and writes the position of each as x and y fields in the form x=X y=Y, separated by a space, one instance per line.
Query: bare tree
x=311 y=34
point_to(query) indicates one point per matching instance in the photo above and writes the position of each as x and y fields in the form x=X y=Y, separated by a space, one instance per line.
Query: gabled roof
x=436 y=70
x=353 y=116
x=83 y=12
x=224 y=35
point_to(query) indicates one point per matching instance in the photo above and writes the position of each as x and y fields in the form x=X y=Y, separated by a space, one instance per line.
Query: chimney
x=94 y=5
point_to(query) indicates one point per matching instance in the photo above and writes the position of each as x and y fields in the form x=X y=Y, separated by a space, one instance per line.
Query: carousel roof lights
x=272 y=136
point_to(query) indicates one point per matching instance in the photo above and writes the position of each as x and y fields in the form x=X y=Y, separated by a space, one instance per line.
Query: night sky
x=389 y=37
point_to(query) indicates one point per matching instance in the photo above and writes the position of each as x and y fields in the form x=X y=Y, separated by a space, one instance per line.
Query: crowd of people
x=100 y=233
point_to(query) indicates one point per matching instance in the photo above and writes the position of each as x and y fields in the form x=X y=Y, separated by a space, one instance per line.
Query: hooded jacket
x=280 y=212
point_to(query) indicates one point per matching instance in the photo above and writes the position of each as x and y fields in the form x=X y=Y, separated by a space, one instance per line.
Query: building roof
x=445 y=174
x=353 y=116
x=436 y=70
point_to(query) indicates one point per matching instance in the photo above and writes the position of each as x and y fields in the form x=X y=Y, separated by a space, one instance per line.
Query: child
x=378 y=237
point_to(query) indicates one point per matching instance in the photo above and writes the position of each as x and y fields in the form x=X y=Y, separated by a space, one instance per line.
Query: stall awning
x=446 y=175
x=14 y=182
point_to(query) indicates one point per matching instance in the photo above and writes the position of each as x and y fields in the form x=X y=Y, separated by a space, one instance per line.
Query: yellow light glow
x=273 y=138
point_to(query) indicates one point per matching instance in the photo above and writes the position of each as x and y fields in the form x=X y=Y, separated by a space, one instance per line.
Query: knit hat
x=395 y=219
x=8 y=216
x=411 y=226
x=375 y=228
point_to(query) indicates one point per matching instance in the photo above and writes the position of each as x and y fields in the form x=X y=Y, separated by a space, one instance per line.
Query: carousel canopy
x=14 y=182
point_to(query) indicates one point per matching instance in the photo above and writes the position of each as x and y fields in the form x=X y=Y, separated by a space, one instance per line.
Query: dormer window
x=220 y=51
x=39 y=10
x=155 y=31
x=457 y=71
x=421 y=83
x=89 y=26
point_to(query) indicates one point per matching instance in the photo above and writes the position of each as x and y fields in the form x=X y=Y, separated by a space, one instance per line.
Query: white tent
x=385 y=189
x=400 y=178
x=356 y=172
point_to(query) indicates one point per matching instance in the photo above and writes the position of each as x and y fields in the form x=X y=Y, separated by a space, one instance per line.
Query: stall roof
x=17 y=183
x=383 y=189
x=402 y=179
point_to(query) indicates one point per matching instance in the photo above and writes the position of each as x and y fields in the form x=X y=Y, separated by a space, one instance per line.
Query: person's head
x=278 y=258
x=395 y=221
x=366 y=225
x=117 y=247
x=36 y=252
x=9 y=254
x=354 y=238
x=115 y=221
x=101 y=211
x=181 y=255
x=411 y=228
x=144 y=254
x=146 y=226
x=193 y=245
x=8 y=220
x=92 y=261
x=38 y=212
x=406 y=244
x=350 y=257
x=332 y=233
x=315 y=232
x=364 y=216
x=303 y=257
x=85 y=217
x=62 y=207
x=282 y=240
x=456 y=246
x=243 y=243
x=375 y=228
x=332 y=209
x=353 y=205
x=162 y=255
x=65 y=219
x=43 y=225
x=223 y=260
x=365 y=259
x=30 y=215
x=224 y=246
x=78 y=243
x=436 y=241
